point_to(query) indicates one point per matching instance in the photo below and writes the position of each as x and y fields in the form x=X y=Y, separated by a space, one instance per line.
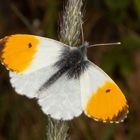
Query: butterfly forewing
x=101 y=97
x=22 y=53
x=30 y=83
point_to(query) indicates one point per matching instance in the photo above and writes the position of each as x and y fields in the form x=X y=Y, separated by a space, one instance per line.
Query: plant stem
x=72 y=21
x=69 y=34
x=57 y=130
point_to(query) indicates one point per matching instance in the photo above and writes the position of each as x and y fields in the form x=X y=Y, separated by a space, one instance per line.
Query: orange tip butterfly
x=61 y=78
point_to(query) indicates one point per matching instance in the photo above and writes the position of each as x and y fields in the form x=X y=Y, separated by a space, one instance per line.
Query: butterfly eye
x=29 y=45
x=108 y=90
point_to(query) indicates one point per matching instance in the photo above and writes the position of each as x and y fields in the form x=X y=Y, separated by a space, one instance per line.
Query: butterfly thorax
x=72 y=61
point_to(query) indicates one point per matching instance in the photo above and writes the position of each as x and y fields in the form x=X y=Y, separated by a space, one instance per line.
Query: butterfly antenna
x=82 y=34
x=105 y=44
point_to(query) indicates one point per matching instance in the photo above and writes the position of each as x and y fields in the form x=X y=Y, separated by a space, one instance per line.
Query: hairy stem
x=69 y=34
x=57 y=130
x=70 y=28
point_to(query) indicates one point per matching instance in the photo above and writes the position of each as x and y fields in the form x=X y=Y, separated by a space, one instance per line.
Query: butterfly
x=61 y=78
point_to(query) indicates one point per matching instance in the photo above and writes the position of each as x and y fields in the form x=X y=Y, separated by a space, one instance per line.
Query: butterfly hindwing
x=101 y=97
x=22 y=53
x=30 y=83
x=61 y=100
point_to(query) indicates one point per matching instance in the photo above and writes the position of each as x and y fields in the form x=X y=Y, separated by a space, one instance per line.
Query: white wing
x=101 y=97
x=29 y=84
x=62 y=99
x=48 y=53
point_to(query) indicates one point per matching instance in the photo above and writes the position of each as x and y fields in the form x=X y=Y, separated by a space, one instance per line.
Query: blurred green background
x=104 y=21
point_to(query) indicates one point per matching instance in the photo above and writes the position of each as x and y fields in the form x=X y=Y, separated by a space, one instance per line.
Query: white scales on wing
x=61 y=100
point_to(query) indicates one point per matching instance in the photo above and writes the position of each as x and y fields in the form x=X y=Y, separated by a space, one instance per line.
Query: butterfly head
x=84 y=47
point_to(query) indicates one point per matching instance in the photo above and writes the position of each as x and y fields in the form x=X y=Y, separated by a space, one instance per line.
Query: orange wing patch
x=107 y=104
x=17 y=51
